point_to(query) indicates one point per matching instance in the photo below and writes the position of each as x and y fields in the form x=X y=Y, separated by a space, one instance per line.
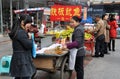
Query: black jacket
x=21 y=63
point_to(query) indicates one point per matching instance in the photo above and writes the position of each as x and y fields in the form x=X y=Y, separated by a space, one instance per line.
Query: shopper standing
x=78 y=42
x=113 y=32
x=21 y=66
x=99 y=37
x=107 y=28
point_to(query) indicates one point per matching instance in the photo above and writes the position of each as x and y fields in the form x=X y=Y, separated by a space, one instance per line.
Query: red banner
x=64 y=13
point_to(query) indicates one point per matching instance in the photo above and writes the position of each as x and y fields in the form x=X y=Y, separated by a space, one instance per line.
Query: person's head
x=97 y=18
x=33 y=28
x=25 y=21
x=75 y=21
x=105 y=17
x=112 y=17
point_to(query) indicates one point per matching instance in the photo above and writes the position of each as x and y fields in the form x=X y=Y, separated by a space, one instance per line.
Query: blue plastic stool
x=5 y=64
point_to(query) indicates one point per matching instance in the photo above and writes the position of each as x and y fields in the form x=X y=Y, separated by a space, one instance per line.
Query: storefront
x=113 y=9
x=100 y=9
x=6 y=10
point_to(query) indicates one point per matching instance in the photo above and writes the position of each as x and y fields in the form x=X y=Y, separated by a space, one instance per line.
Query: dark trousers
x=22 y=78
x=105 y=47
x=112 y=41
x=79 y=67
x=99 y=47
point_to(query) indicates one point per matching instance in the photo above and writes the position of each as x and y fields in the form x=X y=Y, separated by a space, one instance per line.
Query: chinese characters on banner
x=64 y=13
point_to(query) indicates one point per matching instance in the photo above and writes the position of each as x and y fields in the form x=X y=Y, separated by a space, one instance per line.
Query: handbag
x=101 y=37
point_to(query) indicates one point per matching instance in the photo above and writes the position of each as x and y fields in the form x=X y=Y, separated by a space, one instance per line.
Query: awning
x=28 y=10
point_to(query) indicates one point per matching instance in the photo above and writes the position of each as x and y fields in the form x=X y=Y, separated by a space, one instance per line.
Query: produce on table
x=88 y=36
x=57 y=50
x=63 y=33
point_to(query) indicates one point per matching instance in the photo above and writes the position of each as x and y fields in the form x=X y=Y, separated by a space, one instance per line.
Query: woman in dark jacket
x=78 y=42
x=21 y=64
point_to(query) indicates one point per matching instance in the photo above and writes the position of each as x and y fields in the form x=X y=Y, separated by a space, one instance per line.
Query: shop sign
x=46 y=11
x=64 y=13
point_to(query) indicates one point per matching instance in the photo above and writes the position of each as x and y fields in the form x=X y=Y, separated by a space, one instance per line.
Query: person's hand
x=29 y=35
x=64 y=46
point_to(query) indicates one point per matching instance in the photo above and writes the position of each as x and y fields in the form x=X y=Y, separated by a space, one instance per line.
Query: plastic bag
x=34 y=46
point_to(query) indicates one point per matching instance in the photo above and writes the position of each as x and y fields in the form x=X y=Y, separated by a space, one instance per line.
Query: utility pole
x=26 y=4
x=11 y=14
x=1 y=17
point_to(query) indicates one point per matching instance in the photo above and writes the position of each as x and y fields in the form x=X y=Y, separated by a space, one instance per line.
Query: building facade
x=7 y=8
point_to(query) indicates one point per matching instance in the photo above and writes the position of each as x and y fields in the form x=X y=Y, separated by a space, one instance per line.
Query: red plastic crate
x=89 y=44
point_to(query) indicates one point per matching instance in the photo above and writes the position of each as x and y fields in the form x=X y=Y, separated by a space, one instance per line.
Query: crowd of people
x=105 y=34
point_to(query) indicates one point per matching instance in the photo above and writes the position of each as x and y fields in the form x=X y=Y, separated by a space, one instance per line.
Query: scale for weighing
x=46 y=41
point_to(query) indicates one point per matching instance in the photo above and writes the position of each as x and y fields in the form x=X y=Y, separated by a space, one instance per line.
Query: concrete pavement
x=105 y=68
x=4 y=39
x=5 y=46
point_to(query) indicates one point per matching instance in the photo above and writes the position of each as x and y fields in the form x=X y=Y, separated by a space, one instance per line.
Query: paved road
x=105 y=68
x=99 y=68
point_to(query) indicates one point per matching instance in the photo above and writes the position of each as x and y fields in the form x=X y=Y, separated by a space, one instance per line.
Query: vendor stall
x=89 y=38
x=53 y=58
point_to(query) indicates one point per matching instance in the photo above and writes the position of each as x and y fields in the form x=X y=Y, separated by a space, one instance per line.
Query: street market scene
x=59 y=39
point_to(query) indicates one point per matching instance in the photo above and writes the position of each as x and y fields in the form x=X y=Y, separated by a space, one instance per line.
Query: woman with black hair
x=78 y=43
x=113 y=31
x=21 y=66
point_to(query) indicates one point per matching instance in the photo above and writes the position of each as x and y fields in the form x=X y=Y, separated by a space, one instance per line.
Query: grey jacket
x=21 y=63
x=78 y=35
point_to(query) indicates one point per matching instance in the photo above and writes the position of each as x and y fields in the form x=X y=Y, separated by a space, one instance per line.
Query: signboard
x=46 y=11
x=64 y=13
